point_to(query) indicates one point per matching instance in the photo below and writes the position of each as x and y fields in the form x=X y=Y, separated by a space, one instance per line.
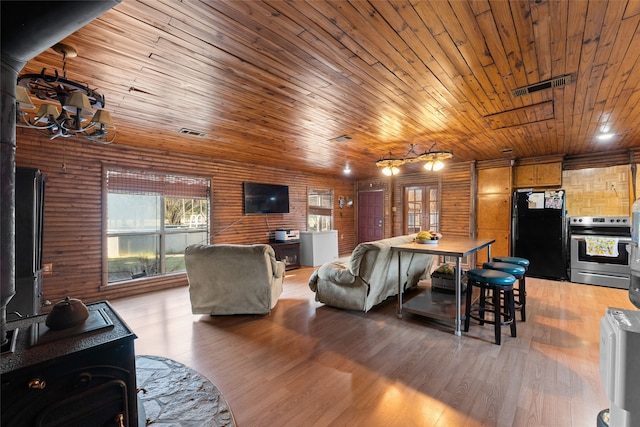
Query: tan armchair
x=233 y=279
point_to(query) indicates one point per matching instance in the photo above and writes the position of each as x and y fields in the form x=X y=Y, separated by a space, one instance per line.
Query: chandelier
x=77 y=101
x=433 y=160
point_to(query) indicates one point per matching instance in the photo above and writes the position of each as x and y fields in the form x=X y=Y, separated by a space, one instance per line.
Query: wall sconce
x=345 y=201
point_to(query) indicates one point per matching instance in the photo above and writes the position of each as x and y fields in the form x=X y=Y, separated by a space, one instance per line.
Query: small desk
x=451 y=246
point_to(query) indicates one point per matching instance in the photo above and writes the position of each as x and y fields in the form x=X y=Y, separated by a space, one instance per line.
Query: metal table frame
x=451 y=246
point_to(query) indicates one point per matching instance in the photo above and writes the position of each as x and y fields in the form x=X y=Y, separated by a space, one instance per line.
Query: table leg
x=458 y=330
x=399 y=287
x=489 y=253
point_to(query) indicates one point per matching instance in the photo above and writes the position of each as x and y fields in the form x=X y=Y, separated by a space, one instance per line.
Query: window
x=319 y=210
x=415 y=210
x=151 y=219
x=421 y=209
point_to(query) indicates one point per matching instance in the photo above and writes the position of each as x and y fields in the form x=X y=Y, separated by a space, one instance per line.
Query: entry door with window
x=421 y=209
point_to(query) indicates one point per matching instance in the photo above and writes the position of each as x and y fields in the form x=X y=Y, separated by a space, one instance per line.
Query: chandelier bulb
x=390 y=170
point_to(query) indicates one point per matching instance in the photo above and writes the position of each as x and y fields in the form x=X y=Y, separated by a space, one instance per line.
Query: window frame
x=162 y=232
x=429 y=203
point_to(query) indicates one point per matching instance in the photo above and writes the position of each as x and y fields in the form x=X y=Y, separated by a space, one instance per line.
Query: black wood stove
x=79 y=376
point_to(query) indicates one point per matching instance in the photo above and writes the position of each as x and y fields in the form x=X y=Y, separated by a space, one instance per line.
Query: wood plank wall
x=458 y=200
x=73 y=208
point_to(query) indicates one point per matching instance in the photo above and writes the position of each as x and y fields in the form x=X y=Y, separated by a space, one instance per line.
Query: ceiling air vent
x=342 y=138
x=192 y=132
x=557 y=82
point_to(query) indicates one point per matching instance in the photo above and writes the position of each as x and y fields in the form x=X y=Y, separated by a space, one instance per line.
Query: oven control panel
x=600 y=221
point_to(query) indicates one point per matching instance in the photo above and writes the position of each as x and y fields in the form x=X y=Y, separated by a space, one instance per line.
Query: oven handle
x=620 y=239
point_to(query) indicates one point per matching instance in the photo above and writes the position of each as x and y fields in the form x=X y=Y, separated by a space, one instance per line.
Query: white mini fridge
x=318 y=247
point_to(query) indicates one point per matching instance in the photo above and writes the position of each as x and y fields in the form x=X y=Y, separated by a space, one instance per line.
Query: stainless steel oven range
x=599 y=250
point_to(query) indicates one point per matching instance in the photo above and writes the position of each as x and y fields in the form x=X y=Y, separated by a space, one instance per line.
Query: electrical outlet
x=47 y=268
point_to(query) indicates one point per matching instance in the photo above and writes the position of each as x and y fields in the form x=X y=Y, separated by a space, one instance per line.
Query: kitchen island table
x=449 y=246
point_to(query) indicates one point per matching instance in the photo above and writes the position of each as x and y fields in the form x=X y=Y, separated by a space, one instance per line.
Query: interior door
x=370 y=215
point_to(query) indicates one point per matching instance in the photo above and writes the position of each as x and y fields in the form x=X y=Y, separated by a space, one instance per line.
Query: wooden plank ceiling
x=273 y=82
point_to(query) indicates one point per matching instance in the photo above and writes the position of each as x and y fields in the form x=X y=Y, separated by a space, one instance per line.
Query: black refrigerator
x=29 y=205
x=539 y=232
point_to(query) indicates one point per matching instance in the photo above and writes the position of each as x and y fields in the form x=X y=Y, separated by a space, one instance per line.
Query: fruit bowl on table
x=428 y=241
x=430 y=237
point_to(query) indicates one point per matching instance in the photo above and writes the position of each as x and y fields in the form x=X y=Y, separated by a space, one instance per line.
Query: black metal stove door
x=102 y=406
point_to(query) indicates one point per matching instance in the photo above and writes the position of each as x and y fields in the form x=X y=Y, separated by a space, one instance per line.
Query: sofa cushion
x=370 y=249
x=336 y=272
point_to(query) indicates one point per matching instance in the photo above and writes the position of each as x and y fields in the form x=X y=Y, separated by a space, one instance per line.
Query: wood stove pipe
x=28 y=28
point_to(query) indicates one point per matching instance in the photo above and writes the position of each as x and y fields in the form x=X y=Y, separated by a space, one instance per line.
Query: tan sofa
x=233 y=279
x=370 y=276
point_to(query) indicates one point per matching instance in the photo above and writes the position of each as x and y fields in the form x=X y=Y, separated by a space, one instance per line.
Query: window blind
x=155 y=183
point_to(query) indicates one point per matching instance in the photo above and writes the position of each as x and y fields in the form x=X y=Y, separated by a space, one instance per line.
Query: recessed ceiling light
x=606 y=136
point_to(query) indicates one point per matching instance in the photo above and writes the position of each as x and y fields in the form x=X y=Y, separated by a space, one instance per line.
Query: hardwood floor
x=307 y=364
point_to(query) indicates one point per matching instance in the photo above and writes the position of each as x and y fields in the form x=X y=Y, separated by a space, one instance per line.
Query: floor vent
x=557 y=82
x=192 y=132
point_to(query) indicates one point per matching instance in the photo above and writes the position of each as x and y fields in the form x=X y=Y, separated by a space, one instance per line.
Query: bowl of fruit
x=429 y=237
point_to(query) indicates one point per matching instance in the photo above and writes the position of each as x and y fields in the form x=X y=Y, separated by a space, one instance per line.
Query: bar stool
x=501 y=284
x=516 y=271
x=521 y=291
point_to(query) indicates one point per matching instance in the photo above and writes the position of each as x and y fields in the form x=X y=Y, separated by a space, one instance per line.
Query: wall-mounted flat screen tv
x=265 y=198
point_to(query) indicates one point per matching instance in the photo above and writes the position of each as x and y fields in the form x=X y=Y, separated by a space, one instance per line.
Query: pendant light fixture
x=81 y=108
x=433 y=160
